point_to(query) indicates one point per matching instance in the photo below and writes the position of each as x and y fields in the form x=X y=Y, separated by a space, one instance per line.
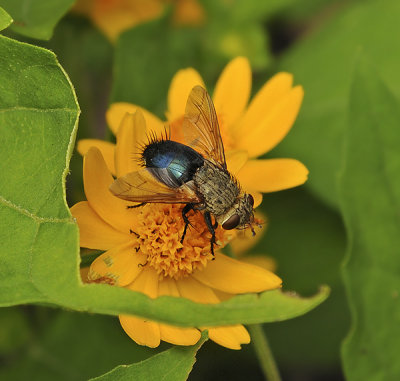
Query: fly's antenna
x=253 y=232
x=258 y=222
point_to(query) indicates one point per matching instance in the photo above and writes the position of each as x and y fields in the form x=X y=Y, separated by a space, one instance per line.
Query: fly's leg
x=185 y=211
x=136 y=206
x=211 y=227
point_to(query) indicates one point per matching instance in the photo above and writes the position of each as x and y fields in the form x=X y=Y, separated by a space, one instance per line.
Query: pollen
x=158 y=231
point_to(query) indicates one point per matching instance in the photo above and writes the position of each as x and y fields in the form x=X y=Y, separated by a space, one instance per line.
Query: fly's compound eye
x=231 y=222
x=251 y=200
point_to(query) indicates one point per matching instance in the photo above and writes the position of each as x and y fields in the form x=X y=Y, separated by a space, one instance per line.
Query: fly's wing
x=141 y=186
x=200 y=126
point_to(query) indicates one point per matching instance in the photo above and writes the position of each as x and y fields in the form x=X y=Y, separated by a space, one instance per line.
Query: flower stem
x=264 y=353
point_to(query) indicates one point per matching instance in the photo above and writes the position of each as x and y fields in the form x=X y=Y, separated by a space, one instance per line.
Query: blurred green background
x=320 y=42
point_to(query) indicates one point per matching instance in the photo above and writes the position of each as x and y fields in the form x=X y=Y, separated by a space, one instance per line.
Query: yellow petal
x=167 y=286
x=113 y=17
x=97 y=180
x=169 y=333
x=113 y=23
x=222 y=296
x=245 y=240
x=146 y=282
x=190 y=288
x=181 y=85
x=94 y=233
x=261 y=260
x=122 y=264
x=84 y=271
x=265 y=100
x=143 y=332
x=270 y=127
x=107 y=149
x=257 y=196
x=131 y=134
x=188 y=12
x=179 y=336
x=230 y=336
x=272 y=175
x=235 y=277
x=232 y=91
x=117 y=111
x=235 y=160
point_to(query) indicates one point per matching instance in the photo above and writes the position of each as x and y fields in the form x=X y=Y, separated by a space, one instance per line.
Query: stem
x=264 y=353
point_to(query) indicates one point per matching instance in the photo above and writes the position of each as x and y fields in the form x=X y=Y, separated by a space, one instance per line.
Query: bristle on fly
x=152 y=138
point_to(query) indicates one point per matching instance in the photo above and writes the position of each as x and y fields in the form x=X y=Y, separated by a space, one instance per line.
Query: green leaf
x=5 y=19
x=15 y=330
x=370 y=199
x=149 y=55
x=173 y=364
x=69 y=345
x=36 y=19
x=299 y=11
x=146 y=58
x=38 y=121
x=39 y=247
x=225 y=41
x=240 y=11
x=322 y=63
x=308 y=241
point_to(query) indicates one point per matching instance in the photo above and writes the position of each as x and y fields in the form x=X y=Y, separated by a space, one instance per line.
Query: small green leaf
x=370 y=199
x=5 y=19
x=322 y=63
x=36 y=19
x=173 y=364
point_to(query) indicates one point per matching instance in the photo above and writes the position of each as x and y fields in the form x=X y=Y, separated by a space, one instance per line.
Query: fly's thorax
x=217 y=188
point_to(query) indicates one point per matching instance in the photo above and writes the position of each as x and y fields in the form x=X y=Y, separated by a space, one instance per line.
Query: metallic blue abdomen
x=171 y=162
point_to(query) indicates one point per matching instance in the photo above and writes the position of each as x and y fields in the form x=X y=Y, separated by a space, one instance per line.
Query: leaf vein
x=27 y=213
x=22 y=108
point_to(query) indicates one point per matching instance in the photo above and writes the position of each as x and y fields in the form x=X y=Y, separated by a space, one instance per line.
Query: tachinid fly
x=194 y=173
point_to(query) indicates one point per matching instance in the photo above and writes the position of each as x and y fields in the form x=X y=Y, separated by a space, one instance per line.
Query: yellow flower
x=248 y=130
x=143 y=251
x=113 y=17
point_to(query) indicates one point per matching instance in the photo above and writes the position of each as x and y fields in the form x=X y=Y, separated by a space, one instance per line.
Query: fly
x=194 y=174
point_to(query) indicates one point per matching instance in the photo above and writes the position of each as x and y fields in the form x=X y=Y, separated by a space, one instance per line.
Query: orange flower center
x=158 y=231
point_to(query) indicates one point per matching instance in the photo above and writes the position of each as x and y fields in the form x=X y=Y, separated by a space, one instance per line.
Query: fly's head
x=241 y=215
